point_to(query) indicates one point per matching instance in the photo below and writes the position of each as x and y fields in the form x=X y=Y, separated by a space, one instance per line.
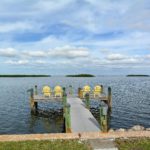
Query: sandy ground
x=87 y=135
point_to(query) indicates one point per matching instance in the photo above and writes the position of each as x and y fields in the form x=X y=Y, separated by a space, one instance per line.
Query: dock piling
x=33 y=104
x=70 y=90
x=80 y=92
x=35 y=90
x=64 y=99
x=87 y=100
x=104 y=118
x=109 y=99
x=102 y=89
x=67 y=118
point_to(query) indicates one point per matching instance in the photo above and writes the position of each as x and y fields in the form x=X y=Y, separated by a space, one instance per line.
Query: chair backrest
x=97 y=88
x=46 y=89
x=87 y=88
x=58 y=89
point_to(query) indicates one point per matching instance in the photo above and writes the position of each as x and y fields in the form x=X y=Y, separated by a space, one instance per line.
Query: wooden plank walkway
x=42 y=98
x=82 y=119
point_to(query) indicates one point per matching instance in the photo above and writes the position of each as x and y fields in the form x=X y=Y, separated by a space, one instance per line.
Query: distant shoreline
x=136 y=75
x=81 y=75
x=18 y=76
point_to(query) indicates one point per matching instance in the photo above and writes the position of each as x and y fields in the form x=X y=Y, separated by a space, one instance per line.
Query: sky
x=58 y=37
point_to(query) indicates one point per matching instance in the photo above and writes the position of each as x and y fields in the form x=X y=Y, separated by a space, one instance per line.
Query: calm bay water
x=131 y=103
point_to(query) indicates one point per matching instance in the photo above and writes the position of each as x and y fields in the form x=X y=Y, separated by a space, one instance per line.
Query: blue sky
x=57 y=37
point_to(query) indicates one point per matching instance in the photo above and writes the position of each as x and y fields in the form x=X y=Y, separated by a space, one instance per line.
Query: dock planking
x=82 y=119
x=77 y=116
x=42 y=98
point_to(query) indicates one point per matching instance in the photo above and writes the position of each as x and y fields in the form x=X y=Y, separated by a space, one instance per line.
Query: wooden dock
x=82 y=119
x=77 y=115
x=42 y=98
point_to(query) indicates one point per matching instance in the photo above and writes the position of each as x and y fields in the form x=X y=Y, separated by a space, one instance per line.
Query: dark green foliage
x=21 y=75
x=81 y=75
x=136 y=75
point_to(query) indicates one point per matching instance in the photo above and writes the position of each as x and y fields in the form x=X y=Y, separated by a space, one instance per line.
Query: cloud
x=114 y=57
x=34 y=53
x=75 y=34
x=16 y=26
x=69 y=52
x=8 y=52
x=18 y=62
x=41 y=62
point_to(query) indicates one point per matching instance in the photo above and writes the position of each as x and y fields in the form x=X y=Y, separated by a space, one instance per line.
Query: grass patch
x=133 y=144
x=45 y=145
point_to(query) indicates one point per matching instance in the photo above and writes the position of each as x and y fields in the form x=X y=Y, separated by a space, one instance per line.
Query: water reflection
x=49 y=120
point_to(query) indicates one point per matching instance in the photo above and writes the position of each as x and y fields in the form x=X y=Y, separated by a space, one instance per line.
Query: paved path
x=82 y=119
x=105 y=144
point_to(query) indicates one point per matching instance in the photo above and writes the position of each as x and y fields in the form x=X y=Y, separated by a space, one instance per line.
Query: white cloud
x=18 y=62
x=38 y=32
x=114 y=57
x=8 y=52
x=69 y=52
x=34 y=53
x=41 y=62
x=16 y=26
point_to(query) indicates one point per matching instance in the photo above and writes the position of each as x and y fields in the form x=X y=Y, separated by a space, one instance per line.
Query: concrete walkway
x=82 y=119
x=99 y=144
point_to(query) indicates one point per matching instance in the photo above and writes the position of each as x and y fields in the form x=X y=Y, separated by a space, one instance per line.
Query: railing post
x=87 y=100
x=64 y=100
x=64 y=89
x=36 y=93
x=104 y=118
x=102 y=89
x=109 y=99
x=79 y=92
x=36 y=90
x=67 y=118
x=70 y=90
x=32 y=104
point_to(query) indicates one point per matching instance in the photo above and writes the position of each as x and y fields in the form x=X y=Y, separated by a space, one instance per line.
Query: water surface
x=131 y=103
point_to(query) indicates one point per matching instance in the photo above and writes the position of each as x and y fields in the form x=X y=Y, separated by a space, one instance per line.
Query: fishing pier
x=76 y=107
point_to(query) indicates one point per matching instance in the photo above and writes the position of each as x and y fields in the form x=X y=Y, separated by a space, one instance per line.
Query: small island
x=138 y=75
x=21 y=75
x=81 y=75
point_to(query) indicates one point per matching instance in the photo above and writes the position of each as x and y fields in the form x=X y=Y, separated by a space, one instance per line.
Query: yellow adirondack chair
x=86 y=89
x=46 y=91
x=97 y=91
x=58 y=91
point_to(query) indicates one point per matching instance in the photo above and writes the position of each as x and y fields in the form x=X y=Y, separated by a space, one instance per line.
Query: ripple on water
x=131 y=103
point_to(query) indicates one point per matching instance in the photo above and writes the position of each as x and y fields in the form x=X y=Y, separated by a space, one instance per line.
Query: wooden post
x=67 y=118
x=36 y=91
x=104 y=118
x=102 y=90
x=64 y=89
x=87 y=100
x=33 y=104
x=64 y=101
x=70 y=90
x=109 y=99
x=79 y=92
x=31 y=99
